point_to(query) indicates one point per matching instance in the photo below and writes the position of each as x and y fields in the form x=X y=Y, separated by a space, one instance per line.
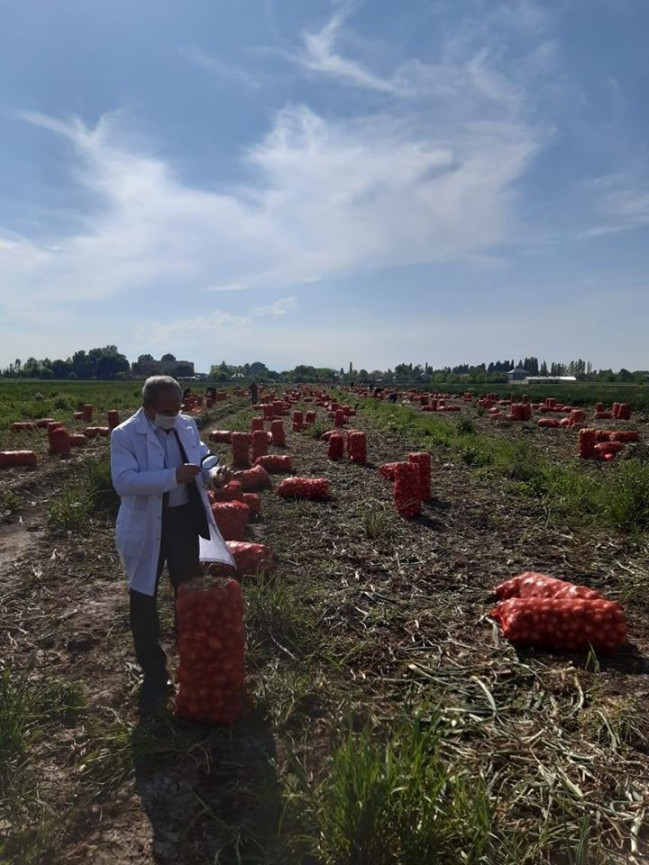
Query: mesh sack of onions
x=423 y=462
x=224 y=436
x=304 y=488
x=336 y=447
x=388 y=470
x=232 y=491
x=251 y=558
x=276 y=463
x=407 y=496
x=357 y=447
x=278 y=435
x=253 y=500
x=211 y=650
x=231 y=519
x=14 y=459
x=259 y=444
x=587 y=441
x=571 y=624
x=241 y=448
x=256 y=478
x=534 y=585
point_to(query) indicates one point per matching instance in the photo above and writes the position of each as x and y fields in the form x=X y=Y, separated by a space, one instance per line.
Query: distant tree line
x=104 y=364
x=495 y=372
x=107 y=363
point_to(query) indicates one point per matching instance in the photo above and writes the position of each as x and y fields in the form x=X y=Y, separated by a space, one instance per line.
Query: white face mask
x=165 y=421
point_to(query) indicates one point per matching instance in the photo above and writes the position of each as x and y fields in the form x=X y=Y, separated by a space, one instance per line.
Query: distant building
x=176 y=368
x=550 y=379
x=518 y=374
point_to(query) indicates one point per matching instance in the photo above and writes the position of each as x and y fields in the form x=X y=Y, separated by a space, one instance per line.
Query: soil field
x=392 y=723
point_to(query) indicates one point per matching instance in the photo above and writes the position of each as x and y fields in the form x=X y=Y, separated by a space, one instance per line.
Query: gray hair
x=157 y=384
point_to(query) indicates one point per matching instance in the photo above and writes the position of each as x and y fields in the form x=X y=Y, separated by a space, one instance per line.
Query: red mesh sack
x=339 y=418
x=253 y=500
x=276 y=463
x=13 y=459
x=298 y=418
x=221 y=435
x=587 y=441
x=327 y=435
x=86 y=413
x=257 y=423
x=77 y=440
x=626 y=436
x=231 y=519
x=624 y=411
x=254 y=479
x=608 y=450
x=531 y=584
x=570 y=624
x=241 y=448
x=112 y=418
x=43 y=423
x=304 y=488
x=388 y=470
x=251 y=558
x=211 y=651
x=336 y=447
x=259 y=445
x=310 y=417
x=603 y=415
x=59 y=440
x=357 y=447
x=232 y=491
x=577 y=416
x=278 y=436
x=423 y=462
x=407 y=497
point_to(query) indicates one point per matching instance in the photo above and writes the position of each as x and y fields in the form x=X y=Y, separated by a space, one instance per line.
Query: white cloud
x=222 y=69
x=329 y=198
x=187 y=331
x=620 y=201
x=319 y=55
x=279 y=307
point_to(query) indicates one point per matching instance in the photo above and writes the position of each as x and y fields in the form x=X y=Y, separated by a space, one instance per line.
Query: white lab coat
x=140 y=478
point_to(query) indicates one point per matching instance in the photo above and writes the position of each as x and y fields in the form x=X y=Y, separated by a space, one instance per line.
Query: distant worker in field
x=160 y=467
x=254 y=392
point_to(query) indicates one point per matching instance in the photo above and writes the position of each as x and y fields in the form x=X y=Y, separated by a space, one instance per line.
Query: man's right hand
x=185 y=474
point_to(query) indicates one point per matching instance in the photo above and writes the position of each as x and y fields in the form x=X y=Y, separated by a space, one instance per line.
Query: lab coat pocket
x=131 y=531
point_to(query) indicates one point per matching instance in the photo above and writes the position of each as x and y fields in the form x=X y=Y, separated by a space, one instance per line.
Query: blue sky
x=308 y=181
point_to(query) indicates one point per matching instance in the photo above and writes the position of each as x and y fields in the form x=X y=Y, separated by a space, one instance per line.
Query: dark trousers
x=179 y=549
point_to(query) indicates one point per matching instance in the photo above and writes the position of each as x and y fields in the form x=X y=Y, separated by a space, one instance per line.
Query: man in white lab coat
x=159 y=468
